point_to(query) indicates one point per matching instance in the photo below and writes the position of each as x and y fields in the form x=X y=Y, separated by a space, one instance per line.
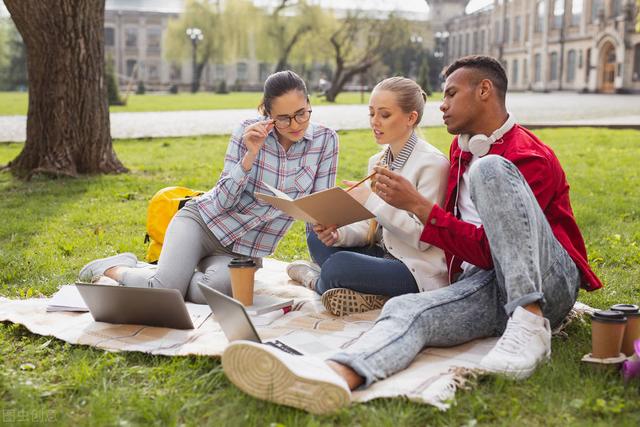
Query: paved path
x=533 y=109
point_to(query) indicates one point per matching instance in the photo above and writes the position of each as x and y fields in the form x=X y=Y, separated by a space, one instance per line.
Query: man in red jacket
x=516 y=258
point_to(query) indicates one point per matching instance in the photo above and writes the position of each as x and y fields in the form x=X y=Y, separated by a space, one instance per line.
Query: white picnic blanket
x=432 y=378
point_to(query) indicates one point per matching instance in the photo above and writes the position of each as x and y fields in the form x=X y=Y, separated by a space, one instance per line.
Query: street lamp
x=195 y=34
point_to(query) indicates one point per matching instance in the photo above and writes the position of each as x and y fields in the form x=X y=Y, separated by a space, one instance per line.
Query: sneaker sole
x=519 y=374
x=341 y=301
x=261 y=374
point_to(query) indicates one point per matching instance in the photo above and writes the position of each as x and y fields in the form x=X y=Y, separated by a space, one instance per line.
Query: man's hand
x=327 y=235
x=398 y=192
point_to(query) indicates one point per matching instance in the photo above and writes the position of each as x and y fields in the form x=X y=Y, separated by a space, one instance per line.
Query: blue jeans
x=530 y=266
x=362 y=269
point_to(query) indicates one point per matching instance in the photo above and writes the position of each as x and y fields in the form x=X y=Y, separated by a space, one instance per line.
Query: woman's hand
x=253 y=138
x=360 y=193
x=327 y=235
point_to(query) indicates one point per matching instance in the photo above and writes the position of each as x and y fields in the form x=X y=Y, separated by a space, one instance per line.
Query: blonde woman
x=359 y=266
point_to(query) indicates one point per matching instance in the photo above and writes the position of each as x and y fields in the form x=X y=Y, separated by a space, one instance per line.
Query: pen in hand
x=360 y=182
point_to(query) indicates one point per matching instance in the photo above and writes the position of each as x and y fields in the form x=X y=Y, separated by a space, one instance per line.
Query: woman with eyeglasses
x=281 y=148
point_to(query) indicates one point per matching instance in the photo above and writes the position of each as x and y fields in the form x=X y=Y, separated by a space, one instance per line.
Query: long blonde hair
x=409 y=97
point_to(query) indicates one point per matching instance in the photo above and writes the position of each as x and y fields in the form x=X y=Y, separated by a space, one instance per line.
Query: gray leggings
x=190 y=254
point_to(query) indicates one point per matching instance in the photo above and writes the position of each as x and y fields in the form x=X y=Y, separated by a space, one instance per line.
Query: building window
x=525 y=70
x=537 y=63
x=597 y=8
x=220 y=72
x=154 y=35
x=514 y=72
x=571 y=65
x=517 y=28
x=636 y=62
x=496 y=30
x=482 y=37
x=131 y=37
x=576 y=12
x=131 y=66
x=467 y=44
x=460 y=45
x=109 y=36
x=505 y=31
x=558 y=13
x=176 y=72
x=616 y=8
x=526 y=27
x=475 y=42
x=153 y=72
x=553 y=66
x=539 y=17
x=242 y=71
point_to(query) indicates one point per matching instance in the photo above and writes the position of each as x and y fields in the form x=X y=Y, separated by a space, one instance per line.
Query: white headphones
x=479 y=145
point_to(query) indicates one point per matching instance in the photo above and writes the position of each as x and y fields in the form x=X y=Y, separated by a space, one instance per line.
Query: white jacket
x=427 y=168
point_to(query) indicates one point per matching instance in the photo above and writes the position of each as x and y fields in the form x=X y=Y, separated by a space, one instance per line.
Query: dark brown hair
x=487 y=68
x=277 y=84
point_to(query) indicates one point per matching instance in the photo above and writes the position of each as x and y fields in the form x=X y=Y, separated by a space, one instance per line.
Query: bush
x=113 y=92
x=141 y=89
x=173 y=89
x=222 y=88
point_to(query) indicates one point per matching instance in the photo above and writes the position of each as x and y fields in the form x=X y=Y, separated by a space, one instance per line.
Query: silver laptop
x=237 y=325
x=138 y=306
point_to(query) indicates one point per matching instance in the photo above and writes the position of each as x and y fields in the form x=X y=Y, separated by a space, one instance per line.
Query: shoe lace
x=515 y=337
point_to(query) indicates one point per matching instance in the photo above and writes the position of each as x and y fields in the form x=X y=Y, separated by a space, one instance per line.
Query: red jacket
x=463 y=241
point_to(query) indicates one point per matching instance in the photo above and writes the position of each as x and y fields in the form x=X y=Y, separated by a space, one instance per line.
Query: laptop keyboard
x=282 y=346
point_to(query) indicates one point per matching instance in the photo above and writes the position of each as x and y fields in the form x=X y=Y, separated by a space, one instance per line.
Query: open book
x=326 y=207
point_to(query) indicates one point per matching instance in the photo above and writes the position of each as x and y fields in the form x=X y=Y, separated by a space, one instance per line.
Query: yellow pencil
x=360 y=182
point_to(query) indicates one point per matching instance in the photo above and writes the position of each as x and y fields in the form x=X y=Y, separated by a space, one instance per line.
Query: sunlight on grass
x=50 y=228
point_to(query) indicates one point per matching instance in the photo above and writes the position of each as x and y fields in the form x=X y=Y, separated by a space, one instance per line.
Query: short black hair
x=277 y=84
x=489 y=67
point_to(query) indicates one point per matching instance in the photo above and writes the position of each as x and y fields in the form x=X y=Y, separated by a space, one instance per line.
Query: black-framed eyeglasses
x=283 y=122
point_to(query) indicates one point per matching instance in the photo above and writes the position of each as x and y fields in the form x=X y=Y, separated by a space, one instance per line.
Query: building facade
x=134 y=33
x=577 y=45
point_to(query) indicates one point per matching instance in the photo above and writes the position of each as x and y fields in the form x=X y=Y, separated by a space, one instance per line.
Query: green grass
x=15 y=103
x=49 y=229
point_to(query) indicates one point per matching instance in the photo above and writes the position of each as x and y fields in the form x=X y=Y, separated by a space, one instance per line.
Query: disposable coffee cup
x=607 y=331
x=242 y=271
x=632 y=330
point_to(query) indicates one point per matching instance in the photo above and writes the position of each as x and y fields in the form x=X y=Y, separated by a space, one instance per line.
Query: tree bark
x=68 y=130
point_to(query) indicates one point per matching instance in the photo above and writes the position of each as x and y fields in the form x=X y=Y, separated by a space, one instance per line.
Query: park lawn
x=50 y=228
x=15 y=103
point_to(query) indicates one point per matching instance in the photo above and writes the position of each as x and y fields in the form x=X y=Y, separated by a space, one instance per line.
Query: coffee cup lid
x=610 y=316
x=242 y=262
x=626 y=308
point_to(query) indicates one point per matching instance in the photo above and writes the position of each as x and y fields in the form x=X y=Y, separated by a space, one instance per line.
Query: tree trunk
x=68 y=121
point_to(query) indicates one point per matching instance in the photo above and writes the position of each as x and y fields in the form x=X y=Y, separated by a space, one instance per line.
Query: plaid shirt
x=253 y=227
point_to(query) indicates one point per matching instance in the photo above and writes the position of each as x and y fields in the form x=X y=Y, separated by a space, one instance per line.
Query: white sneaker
x=525 y=343
x=304 y=272
x=96 y=268
x=303 y=382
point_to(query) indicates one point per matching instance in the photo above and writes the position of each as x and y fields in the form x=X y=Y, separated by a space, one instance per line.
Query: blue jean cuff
x=524 y=301
x=357 y=365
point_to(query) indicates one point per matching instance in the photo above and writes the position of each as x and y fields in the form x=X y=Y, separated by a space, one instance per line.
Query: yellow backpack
x=162 y=207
